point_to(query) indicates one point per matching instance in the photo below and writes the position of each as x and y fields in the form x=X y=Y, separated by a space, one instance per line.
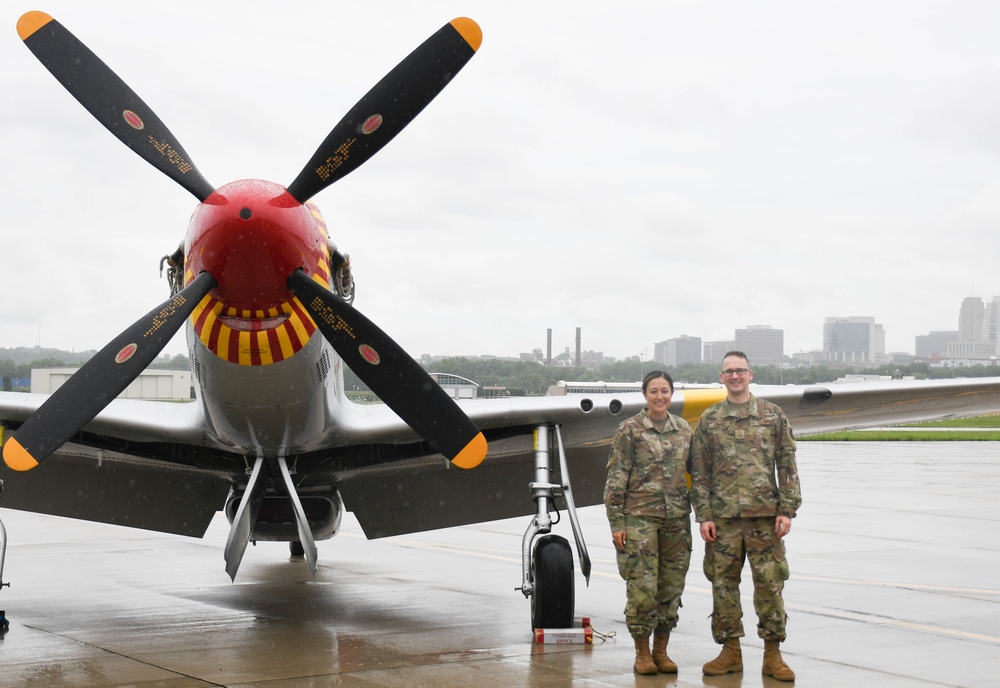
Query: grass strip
x=902 y=436
x=978 y=422
x=981 y=429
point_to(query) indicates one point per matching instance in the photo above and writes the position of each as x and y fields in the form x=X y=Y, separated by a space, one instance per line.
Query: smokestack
x=578 y=359
x=548 y=350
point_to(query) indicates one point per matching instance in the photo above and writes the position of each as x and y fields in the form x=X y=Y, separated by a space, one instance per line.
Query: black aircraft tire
x=552 y=601
x=296 y=549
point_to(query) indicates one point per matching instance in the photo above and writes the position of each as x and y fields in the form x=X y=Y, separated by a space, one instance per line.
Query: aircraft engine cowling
x=324 y=510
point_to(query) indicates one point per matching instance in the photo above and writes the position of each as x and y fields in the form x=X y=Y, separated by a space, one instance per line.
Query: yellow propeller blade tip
x=30 y=22
x=17 y=457
x=473 y=453
x=469 y=30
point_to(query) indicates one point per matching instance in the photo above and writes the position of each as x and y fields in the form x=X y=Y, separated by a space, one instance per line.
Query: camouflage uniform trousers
x=654 y=565
x=738 y=539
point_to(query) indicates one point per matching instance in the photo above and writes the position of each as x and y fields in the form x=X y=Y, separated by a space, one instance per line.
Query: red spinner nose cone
x=250 y=236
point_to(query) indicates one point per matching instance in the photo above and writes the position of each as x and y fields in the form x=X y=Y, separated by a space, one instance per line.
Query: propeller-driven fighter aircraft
x=271 y=439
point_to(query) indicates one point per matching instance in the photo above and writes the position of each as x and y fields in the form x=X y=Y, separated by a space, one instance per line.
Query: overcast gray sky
x=668 y=168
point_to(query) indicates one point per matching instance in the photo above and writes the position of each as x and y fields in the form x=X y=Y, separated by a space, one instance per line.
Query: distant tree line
x=529 y=378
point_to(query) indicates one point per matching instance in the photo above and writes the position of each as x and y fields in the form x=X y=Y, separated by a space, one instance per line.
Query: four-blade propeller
x=381 y=363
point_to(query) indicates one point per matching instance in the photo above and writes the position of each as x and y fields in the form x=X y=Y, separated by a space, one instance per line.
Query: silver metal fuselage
x=272 y=410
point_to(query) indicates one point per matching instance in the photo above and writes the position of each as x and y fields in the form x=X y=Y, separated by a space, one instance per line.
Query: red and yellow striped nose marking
x=252 y=347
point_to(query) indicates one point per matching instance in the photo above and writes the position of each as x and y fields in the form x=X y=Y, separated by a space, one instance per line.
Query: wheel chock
x=571 y=636
x=565 y=636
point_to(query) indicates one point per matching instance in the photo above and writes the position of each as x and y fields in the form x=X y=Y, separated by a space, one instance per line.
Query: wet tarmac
x=894 y=560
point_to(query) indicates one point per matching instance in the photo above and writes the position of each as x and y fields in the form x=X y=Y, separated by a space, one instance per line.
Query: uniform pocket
x=624 y=563
x=780 y=562
x=708 y=566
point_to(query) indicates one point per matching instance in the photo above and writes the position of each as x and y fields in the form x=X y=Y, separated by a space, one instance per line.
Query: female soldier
x=649 y=511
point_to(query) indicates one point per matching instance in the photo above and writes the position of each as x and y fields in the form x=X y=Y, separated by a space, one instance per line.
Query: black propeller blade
x=381 y=114
x=389 y=371
x=101 y=379
x=389 y=106
x=109 y=99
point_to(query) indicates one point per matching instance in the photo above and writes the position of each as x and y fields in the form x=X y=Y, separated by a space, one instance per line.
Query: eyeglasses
x=729 y=372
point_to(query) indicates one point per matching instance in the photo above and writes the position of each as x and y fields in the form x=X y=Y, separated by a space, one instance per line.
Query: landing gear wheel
x=296 y=549
x=552 y=576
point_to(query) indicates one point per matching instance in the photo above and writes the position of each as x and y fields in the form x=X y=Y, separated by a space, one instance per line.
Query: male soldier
x=745 y=492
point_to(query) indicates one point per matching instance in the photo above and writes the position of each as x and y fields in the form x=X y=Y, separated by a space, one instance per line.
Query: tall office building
x=684 y=349
x=857 y=340
x=763 y=344
x=934 y=343
x=678 y=351
x=714 y=352
x=970 y=319
x=978 y=327
x=660 y=352
x=991 y=321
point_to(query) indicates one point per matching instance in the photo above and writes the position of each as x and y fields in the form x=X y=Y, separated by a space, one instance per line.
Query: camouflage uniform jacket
x=646 y=470
x=743 y=462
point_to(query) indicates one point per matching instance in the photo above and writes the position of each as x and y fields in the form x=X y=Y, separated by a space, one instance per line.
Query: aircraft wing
x=113 y=475
x=436 y=496
x=850 y=406
x=149 y=465
x=125 y=419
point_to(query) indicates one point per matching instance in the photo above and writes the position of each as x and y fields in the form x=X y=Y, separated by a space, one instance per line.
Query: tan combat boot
x=729 y=661
x=643 y=660
x=660 y=658
x=774 y=665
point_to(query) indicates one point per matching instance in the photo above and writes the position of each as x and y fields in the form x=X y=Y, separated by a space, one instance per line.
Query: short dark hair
x=654 y=374
x=738 y=354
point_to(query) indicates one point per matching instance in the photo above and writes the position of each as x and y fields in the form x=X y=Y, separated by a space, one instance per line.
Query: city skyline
x=978 y=322
x=967 y=321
